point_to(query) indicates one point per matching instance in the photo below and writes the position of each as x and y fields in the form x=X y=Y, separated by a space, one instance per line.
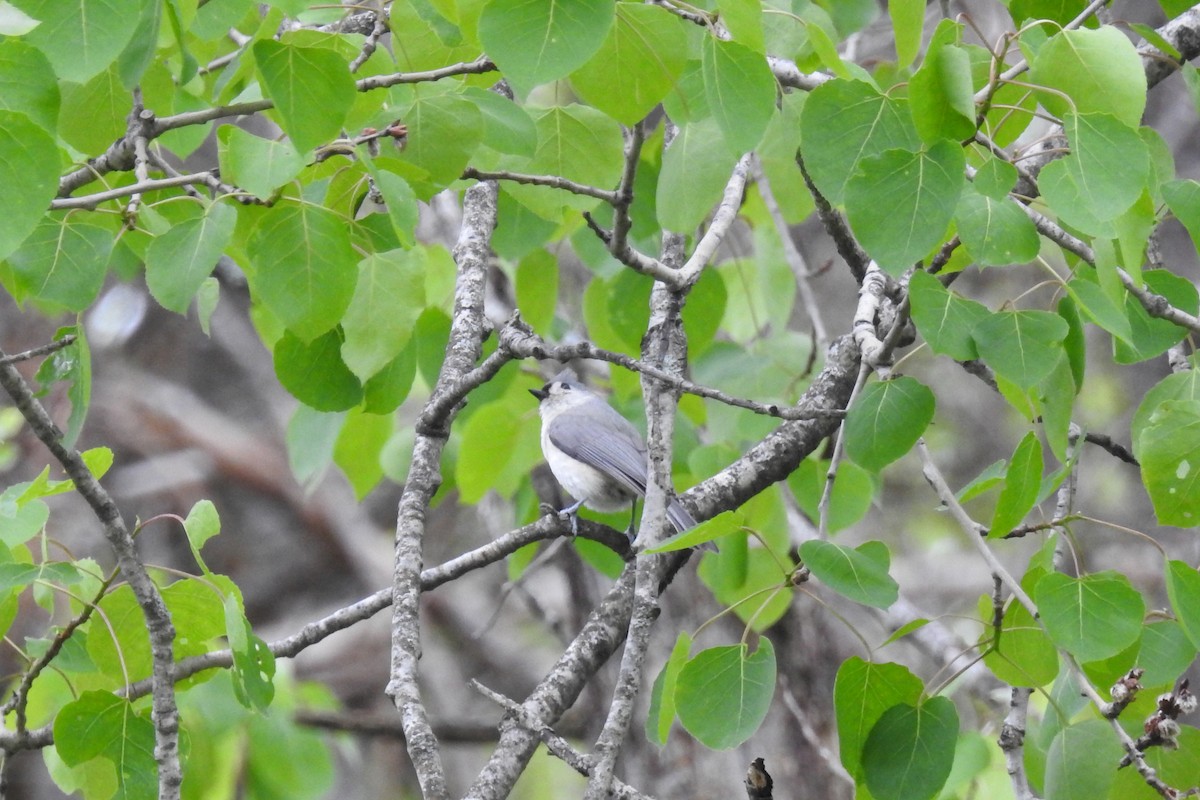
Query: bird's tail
x=681 y=520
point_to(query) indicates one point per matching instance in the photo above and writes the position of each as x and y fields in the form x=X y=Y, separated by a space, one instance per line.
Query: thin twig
x=381 y=26
x=727 y=211
x=40 y=350
x=793 y=257
x=552 y=181
x=557 y=745
x=520 y=341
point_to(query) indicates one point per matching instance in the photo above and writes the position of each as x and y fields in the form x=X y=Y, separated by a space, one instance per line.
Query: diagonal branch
x=727 y=211
x=165 y=713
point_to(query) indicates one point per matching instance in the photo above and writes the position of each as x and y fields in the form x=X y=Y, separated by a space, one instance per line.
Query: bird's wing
x=606 y=441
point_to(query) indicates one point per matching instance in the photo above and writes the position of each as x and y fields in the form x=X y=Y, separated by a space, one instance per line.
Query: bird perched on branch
x=595 y=453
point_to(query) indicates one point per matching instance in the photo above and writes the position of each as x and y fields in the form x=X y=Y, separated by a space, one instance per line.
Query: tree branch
x=467 y=332
x=520 y=340
x=727 y=211
x=161 y=632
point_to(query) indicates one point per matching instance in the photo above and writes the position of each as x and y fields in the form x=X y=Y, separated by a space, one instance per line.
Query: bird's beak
x=540 y=394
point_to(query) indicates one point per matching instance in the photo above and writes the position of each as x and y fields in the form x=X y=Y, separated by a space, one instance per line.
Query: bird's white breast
x=583 y=482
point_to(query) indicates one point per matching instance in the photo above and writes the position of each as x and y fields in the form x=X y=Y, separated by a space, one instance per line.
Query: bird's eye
x=566 y=387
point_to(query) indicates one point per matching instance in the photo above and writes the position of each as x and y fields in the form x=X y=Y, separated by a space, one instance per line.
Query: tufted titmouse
x=595 y=453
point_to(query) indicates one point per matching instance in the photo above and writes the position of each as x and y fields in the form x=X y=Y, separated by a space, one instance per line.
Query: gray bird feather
x=587 y=429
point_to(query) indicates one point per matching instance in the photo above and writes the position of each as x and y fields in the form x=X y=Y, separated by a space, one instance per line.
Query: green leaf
x=740 y=89
x=1092 y=617
x=908 y=20
x=639 y=62
x=312 y=89
x=535 y=41
x=1021 y=346
x=202 y=523
x=752 y=581
x=180 y=260
x=577 y=143
x=104 y=102
x=853 y=491
x=862 y=692
x=1100 y=308
x=78 y=373
x=63 y=261
x=995 y=178
x=20 y=519
x=387 y=389
x=1152 y=336
x=1021 y=484
x=662 y=697
x=389 y=296
x=537 y=289
x=995 y=232
x=401 y=202
x=443 y=132
x=886 y=420
x=724 y=693
x=1166 y=653
x=1183 y=588
x=311 y=437
x=1103 y=176
x=910 y=750
x=1178 y=386
x=487 y=445
x=1022 y=655
x=1183 y=198
x=845 y=122
x=900 y=203
x=304 y=267
x=1100 y=71
x=1054 y=401
x=195 y=612
x=258 y=165
x=207 y=298
x=314 y=372
x=81 y=38
x=358 y=448
x=744 y=19
x=1075 y=765
x=27 y=84
x=29 y=173
x=1169 y=450
x=941 y=95
x=943 y=317
x=860 y=574
x=102 y=725
x=695 y=169
x=507 y=127
x=253 y=663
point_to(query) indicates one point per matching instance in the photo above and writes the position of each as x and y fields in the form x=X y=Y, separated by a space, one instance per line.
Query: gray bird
x=594 y=452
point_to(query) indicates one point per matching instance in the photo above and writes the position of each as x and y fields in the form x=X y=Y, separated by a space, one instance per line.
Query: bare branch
x=519 y=339
x=557 y=745
x=727 y=211
x=1012 y=742
x=41 y=350
x=161 y=632
x=552 y=181
x=467 y=332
